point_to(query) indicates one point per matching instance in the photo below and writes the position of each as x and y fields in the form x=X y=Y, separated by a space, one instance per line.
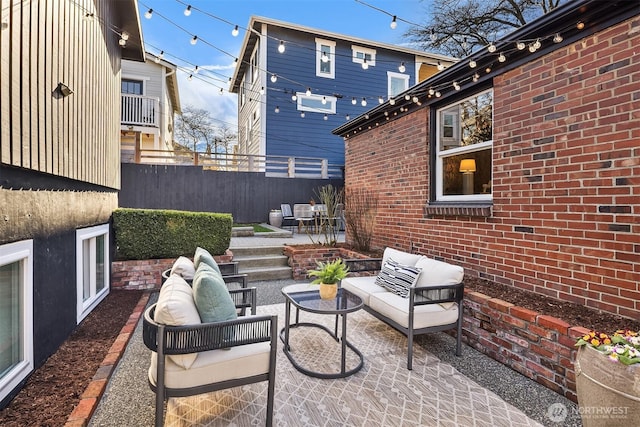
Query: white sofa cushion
x=184 y=268
x=215 y=366
x=176 y=307
x=397 y=278
x=396 y=308
x=362 y=287
x=400 y=256
x=436 y=273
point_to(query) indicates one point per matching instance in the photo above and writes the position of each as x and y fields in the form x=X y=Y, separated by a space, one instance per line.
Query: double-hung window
x=16 y=314
x=464 y=145
x=325 y=58
x=92 y=268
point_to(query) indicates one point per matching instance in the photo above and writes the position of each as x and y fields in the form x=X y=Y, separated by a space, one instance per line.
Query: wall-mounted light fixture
x=62 y=90
x=467 y=167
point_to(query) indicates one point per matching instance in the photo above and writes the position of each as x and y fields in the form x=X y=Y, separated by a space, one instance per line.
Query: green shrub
x=151 y=233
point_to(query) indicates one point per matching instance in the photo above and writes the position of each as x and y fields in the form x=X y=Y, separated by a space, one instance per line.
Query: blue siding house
x=295 y=84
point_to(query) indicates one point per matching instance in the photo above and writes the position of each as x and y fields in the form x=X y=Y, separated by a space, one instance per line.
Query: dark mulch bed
x=53 y=390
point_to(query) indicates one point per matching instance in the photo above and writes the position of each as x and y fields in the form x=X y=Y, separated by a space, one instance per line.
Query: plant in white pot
x=608 y=378
x=328 y=274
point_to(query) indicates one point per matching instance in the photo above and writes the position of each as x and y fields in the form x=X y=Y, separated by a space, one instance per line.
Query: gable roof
x=596 y=15
x=253 y=33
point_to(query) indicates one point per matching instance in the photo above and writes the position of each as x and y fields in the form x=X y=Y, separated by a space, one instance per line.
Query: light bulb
x=476 y=76
x=393 y=24
x=302 y=114
x=347 y=117
x=365 y=66
x=364 y=102
x=402 y=68
x=190 y=77
x=281 y=47
x=149 y=14
x=187 y=11
x=407 y=97
x=308 y=92
x=502 y=58
x=235 y=61
x=326 y=117
x=431 y=91
x=221 y=92
x=194 y=40
x=440 y=66
x=157 y=58
x=195 y=70
x=456 y=86
x=353 y=101
x=380 y=100
x=235 y=31
x=557 y=38
x=438 y=94
x=532 y=48
x=472 y=64
x=124 y=36
x=415 y=99
x=262 y=90
x=294 y=97
x=491 y=48
x=274 y=78
x=580 y=25
x=520 y=45
x=487 y=70
x=324 y=100
x=122 y=42
x=324 y=57
x=392 y=101
x=537 y=44
x=277 y=110
x=433 y=36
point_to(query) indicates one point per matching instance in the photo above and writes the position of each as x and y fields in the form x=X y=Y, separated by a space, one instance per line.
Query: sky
x=212 y=21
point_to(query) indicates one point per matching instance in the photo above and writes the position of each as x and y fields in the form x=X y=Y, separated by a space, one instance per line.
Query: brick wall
x=566 y=179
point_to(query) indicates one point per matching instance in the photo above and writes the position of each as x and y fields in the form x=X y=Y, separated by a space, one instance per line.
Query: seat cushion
x=397 y=278
x=215 y=366
x=362 y=287
x=211 y=296
x=203 y=256
x=397 y=309
x=184 y=268
x=436 y=273
x=176 y=307
x=400 y=256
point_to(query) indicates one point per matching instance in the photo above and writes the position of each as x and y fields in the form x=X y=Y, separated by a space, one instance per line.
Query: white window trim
x=355 y=49
x=392 y=75
x=85 y=307
x=143 y=79
x=330 y=105
x=440 y=155
x=23 y=252
x=332 y=56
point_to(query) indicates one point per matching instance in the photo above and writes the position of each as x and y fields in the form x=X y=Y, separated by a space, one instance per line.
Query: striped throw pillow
x=397 y=278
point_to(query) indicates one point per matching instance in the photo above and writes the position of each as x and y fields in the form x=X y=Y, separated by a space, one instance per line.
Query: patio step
x=262 y=263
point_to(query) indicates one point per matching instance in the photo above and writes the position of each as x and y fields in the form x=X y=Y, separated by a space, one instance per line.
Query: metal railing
x=273 y=166
x=140 y=110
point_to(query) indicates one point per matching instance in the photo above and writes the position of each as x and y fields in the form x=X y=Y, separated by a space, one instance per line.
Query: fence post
x=325 y=169
x=292 y=167
x=251 y=161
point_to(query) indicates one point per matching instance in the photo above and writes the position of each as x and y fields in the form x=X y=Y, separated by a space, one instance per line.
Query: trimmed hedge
x=151 y=233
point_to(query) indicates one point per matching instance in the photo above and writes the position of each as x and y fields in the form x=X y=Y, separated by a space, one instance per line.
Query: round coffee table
x=307 y=298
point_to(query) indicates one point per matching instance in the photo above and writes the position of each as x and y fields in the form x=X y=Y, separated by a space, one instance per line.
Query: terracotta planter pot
x=608 y=391
x=328 y=291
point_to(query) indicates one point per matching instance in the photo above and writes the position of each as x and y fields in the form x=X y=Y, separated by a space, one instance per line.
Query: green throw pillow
x=203 y=256
x=211 y=296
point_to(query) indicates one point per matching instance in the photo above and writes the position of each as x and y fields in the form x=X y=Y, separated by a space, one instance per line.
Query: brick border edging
x=93 y=393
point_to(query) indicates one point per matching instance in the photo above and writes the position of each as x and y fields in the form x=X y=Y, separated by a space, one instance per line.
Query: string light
x=393 y=24
x=324 y=57
x=440 y=66
x=557 y=38
x=122 y=42
x=364 y=102
x=277 y=110
x=281 y=47
x=392 y=101
x=502 y=58
x=402 y=68
x=196 y=70
x=221 y=92
x=347 y=117
x=380 y=100
x=294 y=97
x=431 y=91
x=159 y=57
x=326 y=117
x=302 y=114
x=415 y=99
x=194 y=40
x=187 y=11
x=235 y=31
x=354 y=101
x=262 y=90
x=520 y=45
x=472 y=64
x=308 y=92
x=537 y=44
x=324 y=100
x=580 y=25
x=456 y=86
x=532 y=48
x=274 y=78
x=476 y=77
x=124 y=36
x=433 y=36
x=190 y=77
x=148 y=14
x=365 y=66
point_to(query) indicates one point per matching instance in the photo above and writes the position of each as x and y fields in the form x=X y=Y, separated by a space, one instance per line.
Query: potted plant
x=607 y=376
x=328 y=274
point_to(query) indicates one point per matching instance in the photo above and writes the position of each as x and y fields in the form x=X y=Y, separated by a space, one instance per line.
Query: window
x=316 y=103
x=92 y=268
x=132 y=87
x=362 y=53
x=396 y=83
x=242 y=92
x=464 y=149
x=325 y=57
x=255 y=64
x=16 y=314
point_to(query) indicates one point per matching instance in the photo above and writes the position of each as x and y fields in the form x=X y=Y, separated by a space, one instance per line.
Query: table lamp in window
x=467 y=168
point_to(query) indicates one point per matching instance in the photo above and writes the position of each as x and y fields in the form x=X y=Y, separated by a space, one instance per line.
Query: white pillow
x=176 y=307
x=436 y=273
x=400 y=257
x=184 y=268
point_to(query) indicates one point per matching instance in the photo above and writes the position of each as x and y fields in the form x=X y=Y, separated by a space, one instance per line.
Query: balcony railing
x=274 y=166
x=138 y=110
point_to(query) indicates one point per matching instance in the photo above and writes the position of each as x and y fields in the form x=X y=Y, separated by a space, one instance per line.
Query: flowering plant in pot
x=607 y=370
x=328 y=274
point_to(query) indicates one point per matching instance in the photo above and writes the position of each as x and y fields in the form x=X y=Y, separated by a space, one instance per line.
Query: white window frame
x=393 y=75
x=330 y=106
x=255 y=63
x=332 y=56
x=85 y=307
x=442 y=154
x=364 y=50
x=21 y=252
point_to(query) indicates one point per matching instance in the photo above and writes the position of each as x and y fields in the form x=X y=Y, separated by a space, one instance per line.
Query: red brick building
x=521 y=165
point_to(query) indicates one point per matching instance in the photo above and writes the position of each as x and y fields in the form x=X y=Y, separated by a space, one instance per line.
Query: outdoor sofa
x=412 y=293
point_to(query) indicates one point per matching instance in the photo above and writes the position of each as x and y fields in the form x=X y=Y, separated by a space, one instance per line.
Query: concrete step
x=267 y=273
x=261 y=261
x=242 y=231
x=257 y=251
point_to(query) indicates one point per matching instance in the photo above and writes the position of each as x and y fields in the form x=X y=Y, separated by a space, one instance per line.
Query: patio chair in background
x=303 y=214
x=288 y=220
